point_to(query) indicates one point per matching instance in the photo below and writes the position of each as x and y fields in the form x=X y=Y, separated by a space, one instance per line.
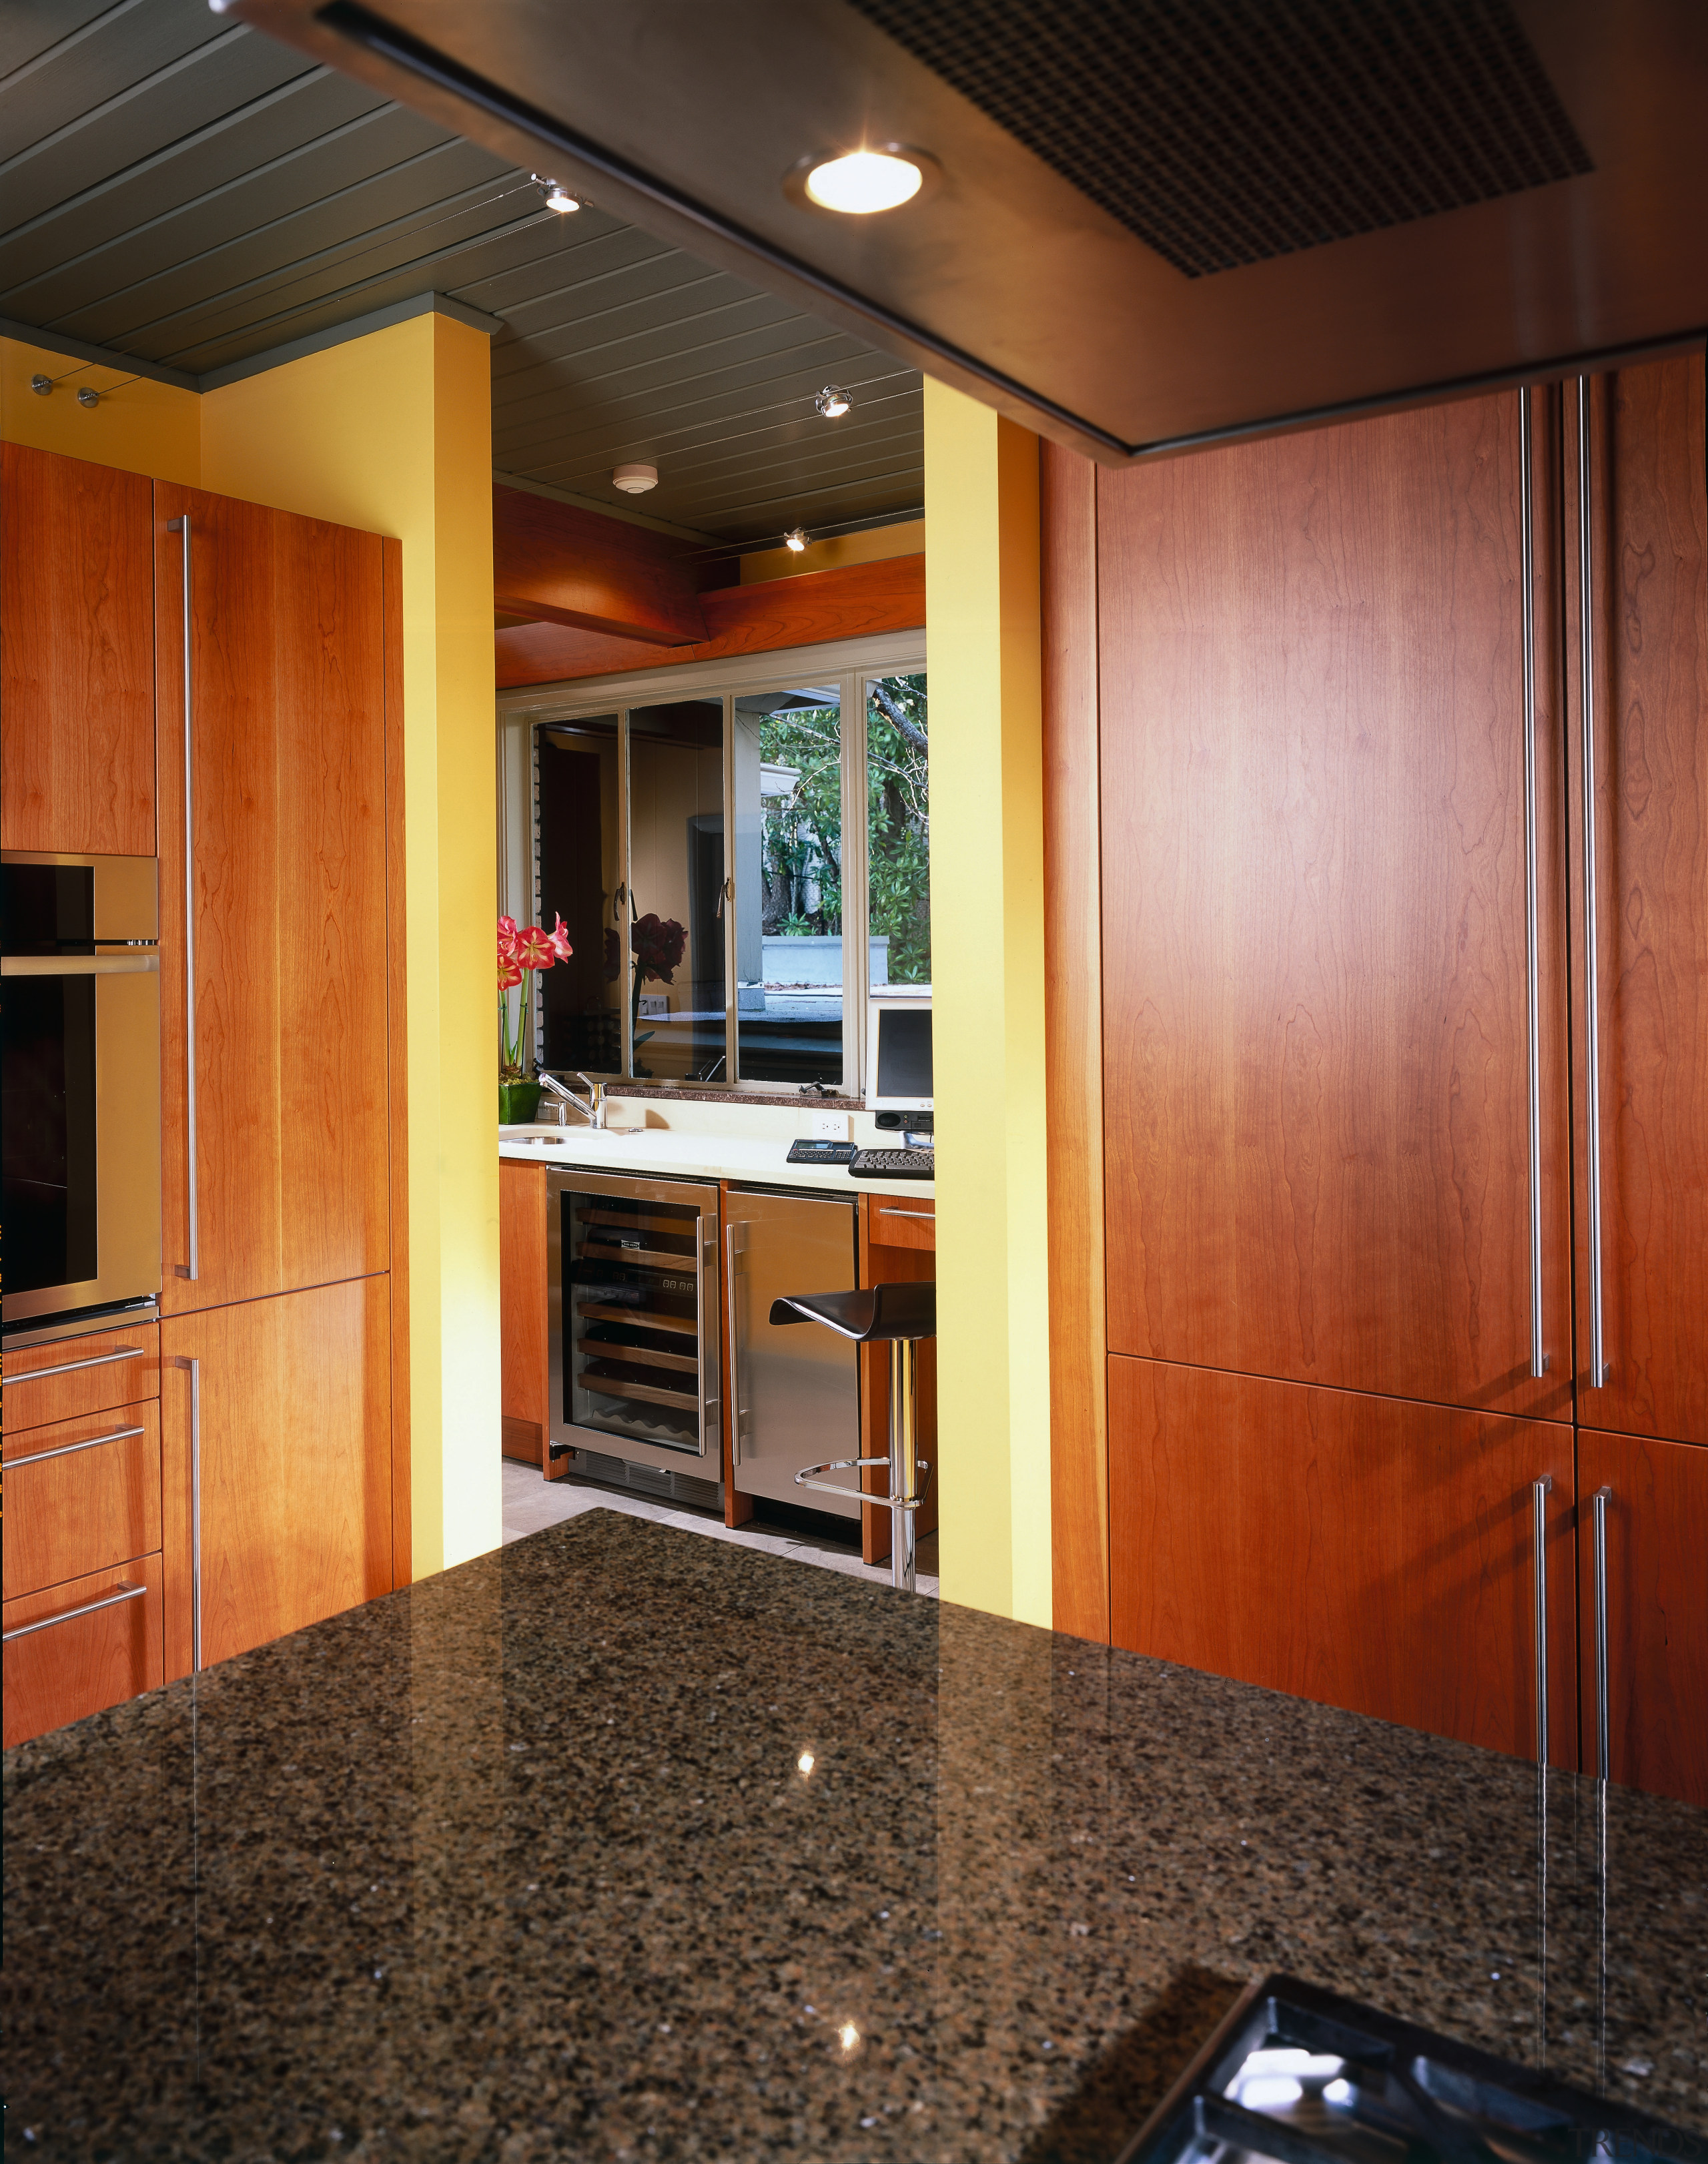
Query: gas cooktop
x=1296 y=2074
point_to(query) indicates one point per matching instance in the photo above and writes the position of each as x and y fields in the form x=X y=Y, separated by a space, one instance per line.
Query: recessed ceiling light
x=796 y=541
x=557 y=195
x=879 y=176
x=832 y=402
x=635 y=479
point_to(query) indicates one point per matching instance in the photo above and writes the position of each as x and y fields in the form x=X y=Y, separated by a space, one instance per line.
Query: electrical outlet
x=830 y=1127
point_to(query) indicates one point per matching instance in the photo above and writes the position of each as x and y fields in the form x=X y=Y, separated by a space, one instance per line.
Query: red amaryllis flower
x=534 y=949
x=509 y=973
x=560 y=937
x=507 y=936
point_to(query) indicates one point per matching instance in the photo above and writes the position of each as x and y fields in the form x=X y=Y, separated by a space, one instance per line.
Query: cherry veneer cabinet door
x=525 y=1416
x=1316 y=1064
x=296 y=1462
x=94 y=1651
x=76 y=662
x=1649 y=621
x=1657 y=1611
x=1367 y=1553
x=81 y=1495
x=288 y=729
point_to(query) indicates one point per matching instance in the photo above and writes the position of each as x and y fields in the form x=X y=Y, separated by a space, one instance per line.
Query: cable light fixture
x=795 y=540
x=557 y=195
x=832 y=402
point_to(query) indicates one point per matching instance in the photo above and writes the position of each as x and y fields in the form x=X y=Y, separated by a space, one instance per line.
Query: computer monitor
x=898 y=1057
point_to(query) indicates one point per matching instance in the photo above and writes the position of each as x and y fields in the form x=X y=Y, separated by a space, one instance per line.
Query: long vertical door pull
x=192 y=1268
x=1592 y=1021
x=1540 y=1491
x=1539 y=1357
x=1602 y=1497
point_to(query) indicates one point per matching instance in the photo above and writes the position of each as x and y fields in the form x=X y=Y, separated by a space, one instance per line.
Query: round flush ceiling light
x=857 y=183
x=635 y=479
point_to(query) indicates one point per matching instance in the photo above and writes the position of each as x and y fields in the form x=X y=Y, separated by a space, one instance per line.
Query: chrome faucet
x=591 y=1107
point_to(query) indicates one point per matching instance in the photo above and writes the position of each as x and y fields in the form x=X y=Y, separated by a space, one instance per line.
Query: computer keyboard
x=893 y=1164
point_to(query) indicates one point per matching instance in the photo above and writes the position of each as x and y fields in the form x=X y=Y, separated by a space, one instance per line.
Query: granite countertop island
x=621 y=1843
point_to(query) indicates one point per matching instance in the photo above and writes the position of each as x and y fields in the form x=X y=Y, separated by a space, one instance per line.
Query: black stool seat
x=885 y=1312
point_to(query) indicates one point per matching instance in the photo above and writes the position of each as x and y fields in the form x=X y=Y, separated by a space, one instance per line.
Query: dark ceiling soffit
x=401 y=51
x=394 y=61
x=258 y=364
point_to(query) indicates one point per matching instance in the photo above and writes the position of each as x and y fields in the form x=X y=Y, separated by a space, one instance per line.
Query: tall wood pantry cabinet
x=257 y=654
x=1377 y=1194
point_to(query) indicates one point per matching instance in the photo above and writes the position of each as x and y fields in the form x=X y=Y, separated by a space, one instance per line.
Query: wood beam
x=859 y=599
x=553 y=564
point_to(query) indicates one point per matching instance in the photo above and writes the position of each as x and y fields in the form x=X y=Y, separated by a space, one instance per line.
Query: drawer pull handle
x=70 y=1366
x=65 y=1450
x=927 y=1217
x=70 y=1615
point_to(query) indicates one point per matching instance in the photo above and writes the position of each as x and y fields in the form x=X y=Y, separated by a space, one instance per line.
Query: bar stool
x=899 y=1315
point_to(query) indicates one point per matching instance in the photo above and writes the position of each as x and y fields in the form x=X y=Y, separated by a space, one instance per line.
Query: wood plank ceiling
x=179 y=189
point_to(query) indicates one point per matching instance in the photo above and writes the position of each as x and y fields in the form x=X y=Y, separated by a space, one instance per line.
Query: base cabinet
x=1654 y=1521
x=1367 y=1552
x=275 y=1425
x=77 y=1648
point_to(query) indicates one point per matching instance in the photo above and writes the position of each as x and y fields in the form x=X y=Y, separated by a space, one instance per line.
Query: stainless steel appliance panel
x=633 y=1314
x=795 y=1391
x=80 y=1120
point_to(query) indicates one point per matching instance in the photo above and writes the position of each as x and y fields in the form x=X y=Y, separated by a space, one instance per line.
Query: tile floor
x=531 y=1503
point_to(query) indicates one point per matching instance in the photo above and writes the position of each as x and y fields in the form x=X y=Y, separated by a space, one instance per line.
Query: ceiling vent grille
x=1228 y=132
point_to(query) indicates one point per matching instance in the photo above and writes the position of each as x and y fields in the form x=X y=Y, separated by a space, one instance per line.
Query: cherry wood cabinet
x=1656 y=1517
x=81 y=1495
x=70 y=1376
x=1314 y=941
x=76 y=662
x=1647 y=579
x=524 y=1344
x=81 y=1647
x=282 y=1151
x=280 y=1411
x=1366 y=1552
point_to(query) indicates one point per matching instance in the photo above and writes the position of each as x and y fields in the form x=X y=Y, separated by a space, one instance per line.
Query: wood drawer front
x=87 y=1656
x=895 y=1222
x=78 y=1375
x=81 y=1495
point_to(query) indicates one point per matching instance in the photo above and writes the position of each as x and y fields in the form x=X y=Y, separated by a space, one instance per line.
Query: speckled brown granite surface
x=520 y=1864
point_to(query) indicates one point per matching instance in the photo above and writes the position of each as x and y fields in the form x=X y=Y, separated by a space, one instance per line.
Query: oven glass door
x=80 y=1128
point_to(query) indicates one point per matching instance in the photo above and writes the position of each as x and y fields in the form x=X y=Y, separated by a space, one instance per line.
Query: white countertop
x=670 y=1153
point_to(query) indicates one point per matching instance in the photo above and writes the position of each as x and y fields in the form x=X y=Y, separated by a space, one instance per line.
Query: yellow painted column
x=392 y=433
x=981 y=588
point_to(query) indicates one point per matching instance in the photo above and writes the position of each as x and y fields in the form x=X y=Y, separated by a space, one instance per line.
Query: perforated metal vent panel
x=1224 y=132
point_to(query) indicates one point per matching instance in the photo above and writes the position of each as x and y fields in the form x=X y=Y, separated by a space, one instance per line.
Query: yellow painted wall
x=982 y=588
x=392 y=433
x=143 y=427
x=872 y=547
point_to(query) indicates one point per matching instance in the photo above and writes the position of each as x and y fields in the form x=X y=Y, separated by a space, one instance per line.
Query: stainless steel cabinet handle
x=66 y=1449
x=193 y=1367
x=79 y=965
x=929 y=1216
x=1592 y=1019
x=125 y=1592
x=736 y=1410
x=706 y=1310
x=1538 y=1358
x=1602 y=1497
x=192 y=1268
x=1540 y=1491
x=70 y=1366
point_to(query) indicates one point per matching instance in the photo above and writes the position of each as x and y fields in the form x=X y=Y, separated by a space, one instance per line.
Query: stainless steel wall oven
x=80 y=1122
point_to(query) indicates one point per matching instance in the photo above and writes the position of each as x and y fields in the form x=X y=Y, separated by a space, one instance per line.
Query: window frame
x=850 y=664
